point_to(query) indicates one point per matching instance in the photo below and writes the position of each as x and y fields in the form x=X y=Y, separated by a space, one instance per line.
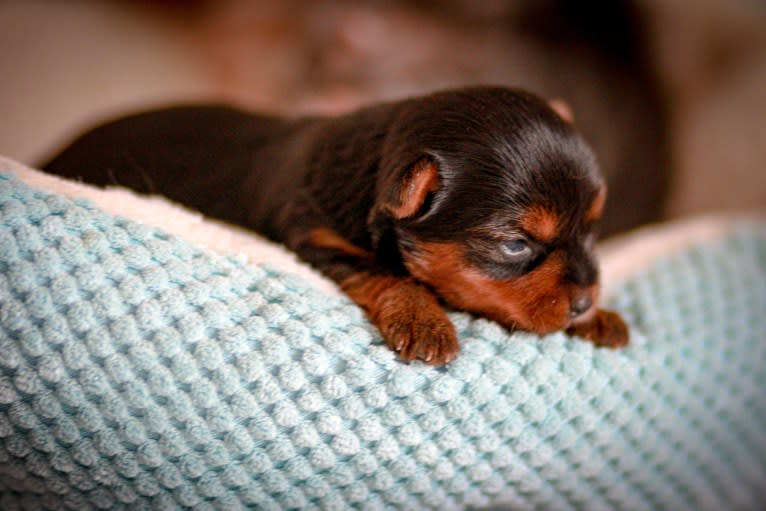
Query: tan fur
x=538 y=301
x=422 y=179
x=407 y=314
x=597 y=206
x=324 y=237
x=541 y=223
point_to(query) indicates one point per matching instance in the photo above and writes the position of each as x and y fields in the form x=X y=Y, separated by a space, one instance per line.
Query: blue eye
x=516 y=249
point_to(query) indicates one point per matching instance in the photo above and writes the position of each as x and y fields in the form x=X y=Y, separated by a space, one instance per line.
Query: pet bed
x=140 y=369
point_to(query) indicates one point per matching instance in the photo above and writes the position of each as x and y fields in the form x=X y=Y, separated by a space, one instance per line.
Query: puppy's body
x=483 y=197
x=240 y=167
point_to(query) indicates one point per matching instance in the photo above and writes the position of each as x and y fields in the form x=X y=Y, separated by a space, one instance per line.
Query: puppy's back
x=195 y=155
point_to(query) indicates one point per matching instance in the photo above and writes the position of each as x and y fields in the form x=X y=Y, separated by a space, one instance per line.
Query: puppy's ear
x=563 y=109
x=412 y=194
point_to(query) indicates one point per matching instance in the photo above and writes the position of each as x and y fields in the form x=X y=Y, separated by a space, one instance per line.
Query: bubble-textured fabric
x=140 y=372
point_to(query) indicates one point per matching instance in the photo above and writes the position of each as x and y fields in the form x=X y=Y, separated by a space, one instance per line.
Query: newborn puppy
x=485 y=198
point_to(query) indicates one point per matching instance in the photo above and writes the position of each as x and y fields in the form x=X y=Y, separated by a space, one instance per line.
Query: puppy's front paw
x=418 y=329
x=408 y=316
x=605 y=329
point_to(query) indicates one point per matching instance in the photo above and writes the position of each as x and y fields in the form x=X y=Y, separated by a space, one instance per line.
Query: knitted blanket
x=138 y=371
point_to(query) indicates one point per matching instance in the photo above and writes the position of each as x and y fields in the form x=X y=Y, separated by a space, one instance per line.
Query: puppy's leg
x=407 y=313
x=604 y=329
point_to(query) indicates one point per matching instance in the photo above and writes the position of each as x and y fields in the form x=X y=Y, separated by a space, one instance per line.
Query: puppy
x=485 y=198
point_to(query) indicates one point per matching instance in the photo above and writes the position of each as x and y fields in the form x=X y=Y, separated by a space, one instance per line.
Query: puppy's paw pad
x=606 y=329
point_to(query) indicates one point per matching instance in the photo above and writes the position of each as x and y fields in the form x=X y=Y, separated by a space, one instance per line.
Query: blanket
x=141 y=371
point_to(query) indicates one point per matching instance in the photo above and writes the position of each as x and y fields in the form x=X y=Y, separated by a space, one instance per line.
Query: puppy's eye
x=516 y=249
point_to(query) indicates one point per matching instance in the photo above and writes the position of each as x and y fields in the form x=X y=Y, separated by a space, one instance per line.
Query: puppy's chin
x=541 y=318
x=539 y=301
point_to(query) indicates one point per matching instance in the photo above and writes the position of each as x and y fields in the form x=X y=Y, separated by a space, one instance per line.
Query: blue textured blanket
x=137 y=371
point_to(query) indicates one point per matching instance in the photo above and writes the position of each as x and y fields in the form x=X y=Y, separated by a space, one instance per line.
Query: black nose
x=580 y=305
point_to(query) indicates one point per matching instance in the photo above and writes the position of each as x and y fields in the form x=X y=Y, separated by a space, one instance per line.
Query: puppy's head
x=493 y=198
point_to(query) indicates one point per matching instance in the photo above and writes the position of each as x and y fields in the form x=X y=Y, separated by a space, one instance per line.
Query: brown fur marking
x=538 y=301
x=541 y=223
x=324 y=237
x=597 y=206
x=605 y=329
x=563 y=109
x=422 y=179
x=408 y=315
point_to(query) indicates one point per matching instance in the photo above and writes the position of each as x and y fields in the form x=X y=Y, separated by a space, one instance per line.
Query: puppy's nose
x=580 y=305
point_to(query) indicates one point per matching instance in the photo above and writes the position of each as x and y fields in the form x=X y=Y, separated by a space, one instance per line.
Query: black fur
x=499 y=152
x=495 y=148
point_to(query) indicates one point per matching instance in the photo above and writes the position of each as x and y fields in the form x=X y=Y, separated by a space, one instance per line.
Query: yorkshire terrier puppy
x=483 y=198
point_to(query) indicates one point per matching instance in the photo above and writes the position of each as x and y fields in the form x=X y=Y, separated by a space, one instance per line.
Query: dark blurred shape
x=329 y=56
x=613 y=36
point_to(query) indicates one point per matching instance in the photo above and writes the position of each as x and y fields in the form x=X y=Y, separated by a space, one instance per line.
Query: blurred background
x=671 y=93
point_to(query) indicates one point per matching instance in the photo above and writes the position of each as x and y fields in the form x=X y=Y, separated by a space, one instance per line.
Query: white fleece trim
x=620 y=257
x=176 y=220
x=625 y=255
